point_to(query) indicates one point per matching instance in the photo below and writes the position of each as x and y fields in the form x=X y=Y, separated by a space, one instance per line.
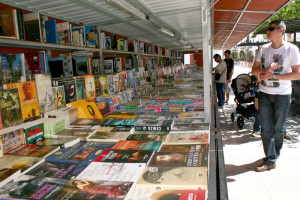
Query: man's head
x=27 y=90
x=227 y=54
x=276 y=29
x=217 y=58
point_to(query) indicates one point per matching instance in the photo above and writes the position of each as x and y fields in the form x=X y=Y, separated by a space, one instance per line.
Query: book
x=11 y=67
x=147 y=137
x=70 y=93
x=108 y=66
x=109 y=134
x=28 y=99
x=173 y=178
x=137 y=145
x=125 y=156
x=13 y=139
x=35 y=133
x=185 y=148
x=62 y=142
x=51 y=32
x=59 y=97
x=120 y=122
x=179 y=159
x=153 y=125
x=11 y=112
x=59 y=170
x=80 y=88
x=81 y=189
x=192 y=115
x=121 y=115
x=63 y=33
x=56 y=66
x=84 y=154
x=89 y=122
x=80 y=66
x=187 y=138
x=18 y=162
x=44 y=92
x=112 y=172
x=90 y=36
x=32 y=187
x=33 y=150
x=32 y=26
x=90 y=88
x=78 y=35
x=7 y=175
x=74 y=133
x=89 y=110
x=8 y=23
x=104 y=87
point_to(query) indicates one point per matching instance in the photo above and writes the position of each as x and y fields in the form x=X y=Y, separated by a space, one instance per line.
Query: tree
x=250 y=56
x=234 y=55
x=242 y=55
x=291 y=11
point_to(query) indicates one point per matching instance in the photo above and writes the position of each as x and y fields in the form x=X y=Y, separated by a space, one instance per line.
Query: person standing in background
x=276 y=64
x=221 y=69
x=230 y=69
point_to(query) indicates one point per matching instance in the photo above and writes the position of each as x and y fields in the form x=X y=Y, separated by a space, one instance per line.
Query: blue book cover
x=90 y=36
x=107 y=42
x=51 y=32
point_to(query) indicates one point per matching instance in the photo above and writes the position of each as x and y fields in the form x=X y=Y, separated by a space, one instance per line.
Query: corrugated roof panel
x=182 y=21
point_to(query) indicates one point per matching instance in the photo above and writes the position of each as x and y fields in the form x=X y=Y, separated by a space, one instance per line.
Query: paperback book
x=125 y=156
x=147 y=137
x=44 y=91
x=62 y=142
x=137 y=145
x=74 y=133
x=109 y=134
x=187 y=138
x=33 y=150
x=34 y=134
x=153 y=125
x=12 y=140
x=18 y=162
x=185 y=148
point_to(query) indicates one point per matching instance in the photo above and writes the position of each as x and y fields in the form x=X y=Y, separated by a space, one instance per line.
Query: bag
x=217 y=76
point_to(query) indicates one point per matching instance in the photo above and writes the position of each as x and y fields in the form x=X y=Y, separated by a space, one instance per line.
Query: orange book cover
x=89 y=110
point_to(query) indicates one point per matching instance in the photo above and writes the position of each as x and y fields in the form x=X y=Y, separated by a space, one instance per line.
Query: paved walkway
x=243 y=153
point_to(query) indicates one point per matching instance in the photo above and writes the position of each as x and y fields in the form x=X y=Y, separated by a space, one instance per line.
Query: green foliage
x=291 y=11
x=234 y=55
x=250 y=56
x=242 y=55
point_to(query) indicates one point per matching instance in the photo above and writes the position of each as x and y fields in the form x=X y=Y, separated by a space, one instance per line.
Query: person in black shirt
x=230 y=67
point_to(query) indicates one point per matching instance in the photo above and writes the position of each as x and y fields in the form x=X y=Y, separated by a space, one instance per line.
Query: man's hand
x=267 y=75
x=272 y=67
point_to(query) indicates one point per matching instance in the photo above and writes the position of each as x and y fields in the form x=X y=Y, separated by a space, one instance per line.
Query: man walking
x=276 y=64
x=230 y=68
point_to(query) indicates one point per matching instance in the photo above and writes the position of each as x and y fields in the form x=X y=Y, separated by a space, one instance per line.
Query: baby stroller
x=244 y=88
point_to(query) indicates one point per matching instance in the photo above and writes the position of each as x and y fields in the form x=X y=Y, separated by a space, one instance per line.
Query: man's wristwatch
x=274 y=76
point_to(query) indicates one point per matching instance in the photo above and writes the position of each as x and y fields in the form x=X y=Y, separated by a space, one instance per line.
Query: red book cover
x=192 y=195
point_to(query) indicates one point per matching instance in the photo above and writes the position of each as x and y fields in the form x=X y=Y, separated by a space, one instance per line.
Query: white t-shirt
x=286 y=56
x=222 y=69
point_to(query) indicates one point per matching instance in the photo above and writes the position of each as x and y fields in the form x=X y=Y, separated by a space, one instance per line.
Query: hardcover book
x=44 y=91
x=137 y=145
x=33 y=150
x=187 y=138
x=153 y=125
x=59 y=170
x=173 y=178
x=112 y=171
x=125 y=156
x=179 y=159
x=10 y=108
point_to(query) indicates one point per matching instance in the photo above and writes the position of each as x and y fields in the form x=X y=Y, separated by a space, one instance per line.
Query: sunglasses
x=273 y=28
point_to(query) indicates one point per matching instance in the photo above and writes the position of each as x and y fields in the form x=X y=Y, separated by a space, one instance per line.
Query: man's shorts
x=227 y=88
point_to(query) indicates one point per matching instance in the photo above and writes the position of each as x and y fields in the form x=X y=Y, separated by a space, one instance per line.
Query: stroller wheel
x=232 y=117
x=241 y=122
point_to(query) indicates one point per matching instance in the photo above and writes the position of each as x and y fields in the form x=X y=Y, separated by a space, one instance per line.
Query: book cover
x=7 y=19
x=106 y=134
x=104 y=87
x=74 y=133
x=10 y=108
x=80 y=88
x=11 y=67
x=12 y=140
x=89 y=122
x=112 y=172
x=147 y=137
x=59 y=170
x=90 y=36
x=137 y=145
x=44 y=92
x=192 y=115
x=51 y=32
x=7 y=175
x=32 y=187
x=185 y=148
x=56 y=67
x=32 y=150
x=179 y=159
x=96 y=60
x=63 y=33
x=59 y=97
x=34 y=134
x=173 y=178
x=107 y=42
x=192 y=195
x=108 y=66
x=187 y=138
x=78 y=35
x=125 y=156
x=120 y=122
x=121 y=115
x=89 y=110
x=90 y=88
x=81 y=189
x=153 y=125
x=81 y=66
x=97 y=86
x=84 y=154
x=32 y=26
x=70 y=94
x=103 y=107
x=18 y=162
x=62 y=142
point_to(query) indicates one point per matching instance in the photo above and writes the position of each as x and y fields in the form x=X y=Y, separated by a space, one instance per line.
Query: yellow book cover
x=28 y=99
x=90 y=88
x=104 y=87
x=89 y=110
x=76 y=103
